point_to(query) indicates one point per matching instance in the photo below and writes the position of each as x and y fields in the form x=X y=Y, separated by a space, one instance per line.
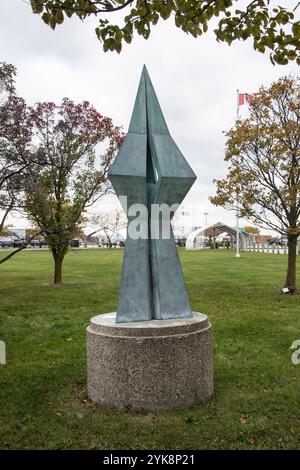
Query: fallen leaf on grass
x=244 y=420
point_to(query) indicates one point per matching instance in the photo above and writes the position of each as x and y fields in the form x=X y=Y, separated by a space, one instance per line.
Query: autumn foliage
x=263 y=155
x=15 y=142
x=69 y=173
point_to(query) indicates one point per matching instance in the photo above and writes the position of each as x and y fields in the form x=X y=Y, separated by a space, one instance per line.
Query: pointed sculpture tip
x=145 y=71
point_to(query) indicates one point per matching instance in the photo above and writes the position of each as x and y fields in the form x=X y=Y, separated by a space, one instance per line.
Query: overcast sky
x=195 y=81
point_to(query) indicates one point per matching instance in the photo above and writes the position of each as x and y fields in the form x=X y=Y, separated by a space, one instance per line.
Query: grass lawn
x=43 y=401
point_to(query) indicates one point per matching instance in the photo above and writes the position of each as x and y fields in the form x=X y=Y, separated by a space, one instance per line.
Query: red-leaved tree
x=15 y=142
x=69 y=173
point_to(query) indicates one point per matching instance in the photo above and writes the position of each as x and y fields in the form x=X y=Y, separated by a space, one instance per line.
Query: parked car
x=35 y=243
x=180 y=242
x=18 y=243
x=276 y=241
x=5 y=244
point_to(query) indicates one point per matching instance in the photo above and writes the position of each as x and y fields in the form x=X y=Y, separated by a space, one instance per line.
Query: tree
x=6 y=231
x=67 y=177
x=270 y=26
x=15 y=140
x=7 y=88
x=7 y=79
x=15 y=153
x=251 y=230
x=178 y=222
x=109 y=222
x=263 y=153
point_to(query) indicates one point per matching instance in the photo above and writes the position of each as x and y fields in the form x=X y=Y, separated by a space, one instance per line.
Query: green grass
x=43 y=401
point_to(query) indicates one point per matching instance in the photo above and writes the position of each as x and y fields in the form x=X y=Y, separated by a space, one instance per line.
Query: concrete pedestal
x=151 y=365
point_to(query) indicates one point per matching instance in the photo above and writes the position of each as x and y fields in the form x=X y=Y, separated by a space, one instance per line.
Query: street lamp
x=183 y=213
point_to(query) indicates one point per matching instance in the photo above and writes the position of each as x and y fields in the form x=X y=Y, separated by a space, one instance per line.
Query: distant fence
x=267 y=248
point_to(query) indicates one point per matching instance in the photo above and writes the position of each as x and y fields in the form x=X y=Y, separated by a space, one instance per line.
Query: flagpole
x=237 y=255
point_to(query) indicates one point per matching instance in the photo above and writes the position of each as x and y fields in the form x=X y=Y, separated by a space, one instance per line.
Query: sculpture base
x=151 y=365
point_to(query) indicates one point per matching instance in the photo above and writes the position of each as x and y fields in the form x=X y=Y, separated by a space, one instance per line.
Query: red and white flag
x=244 y=98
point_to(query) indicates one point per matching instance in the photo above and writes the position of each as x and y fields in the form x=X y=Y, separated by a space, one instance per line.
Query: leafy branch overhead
x=270 y=26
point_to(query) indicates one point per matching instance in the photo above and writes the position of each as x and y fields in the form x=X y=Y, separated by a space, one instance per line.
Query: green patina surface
x=150 y=169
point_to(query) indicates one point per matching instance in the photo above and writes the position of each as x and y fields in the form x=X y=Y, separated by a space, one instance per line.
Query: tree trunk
x=58 y=260
x=290 y=281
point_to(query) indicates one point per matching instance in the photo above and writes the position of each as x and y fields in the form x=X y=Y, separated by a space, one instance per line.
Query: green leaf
x=296 y=30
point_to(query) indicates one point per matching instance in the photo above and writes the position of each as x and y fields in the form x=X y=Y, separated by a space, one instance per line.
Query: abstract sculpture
x=165 y=362
x=150 y=169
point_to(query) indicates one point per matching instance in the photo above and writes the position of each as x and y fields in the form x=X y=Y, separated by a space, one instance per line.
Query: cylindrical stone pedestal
x=151 y=365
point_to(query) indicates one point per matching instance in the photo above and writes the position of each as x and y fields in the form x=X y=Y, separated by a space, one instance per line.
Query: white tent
x=196 y=239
